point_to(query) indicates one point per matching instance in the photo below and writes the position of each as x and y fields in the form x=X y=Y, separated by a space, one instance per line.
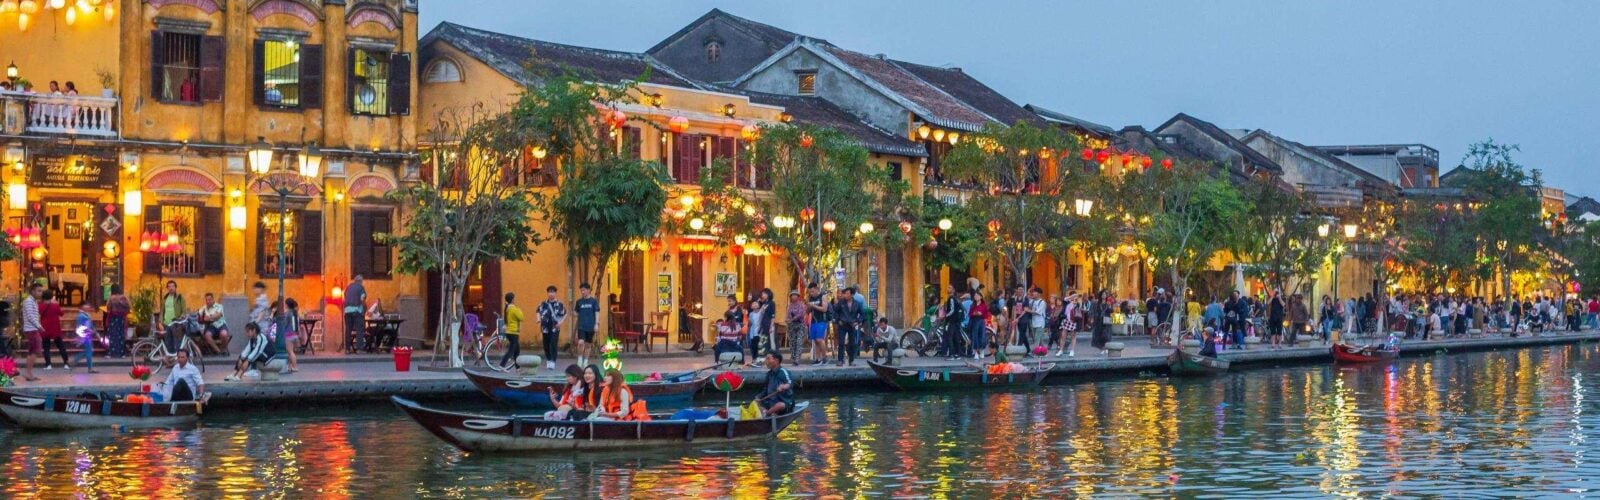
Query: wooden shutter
x=361 y=243
x=158 y=62
x=685 y=149
x=209 y=230
x=632 y=140
x=381 y=256
x=258 y=84
x=308 y=243
x=350 y=62
x=213 y=52
x=311 y=62
x=400 y=83
x=722 y=148
x=152 y=218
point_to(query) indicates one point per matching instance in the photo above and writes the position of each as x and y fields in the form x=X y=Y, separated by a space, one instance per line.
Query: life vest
x=612 y=403
x=572 y=398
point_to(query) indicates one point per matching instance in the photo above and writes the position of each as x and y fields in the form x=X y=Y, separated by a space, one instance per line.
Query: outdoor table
x=379 y=330
x=308 y=325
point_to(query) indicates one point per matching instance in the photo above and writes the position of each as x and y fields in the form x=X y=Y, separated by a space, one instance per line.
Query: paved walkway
x=370 y=376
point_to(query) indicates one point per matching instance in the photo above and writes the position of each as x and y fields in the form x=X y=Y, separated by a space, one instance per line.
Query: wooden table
x=381 y=329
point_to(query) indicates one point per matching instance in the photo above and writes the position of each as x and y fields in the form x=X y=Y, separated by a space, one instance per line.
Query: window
x=199 y=232
x=301 y=237
x=713 y=51
x=689 y=156
x=281 y=64
x=380 y=82
x=808 y=82
x=444 y=71
x=186 y=67
x=895 y=173
x=370 y=257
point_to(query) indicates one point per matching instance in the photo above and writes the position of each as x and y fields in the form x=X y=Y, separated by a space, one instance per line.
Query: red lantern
x=1145 y=161
x=806 y=141
x=807 y=213
x=994 y=226
x=1088 y=154
x=1103 y=156
x=656 y=244
x=728 y=381
x=618 y=118
x=1166 y=163
x=1127 y=160
x=678 y=124
x=736 y=250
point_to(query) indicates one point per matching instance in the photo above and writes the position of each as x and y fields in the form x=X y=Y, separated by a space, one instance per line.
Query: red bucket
x=402 y=359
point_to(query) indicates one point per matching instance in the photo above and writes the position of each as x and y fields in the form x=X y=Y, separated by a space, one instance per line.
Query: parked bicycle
x=154 y=349
x=485 y=349
x=928 y=341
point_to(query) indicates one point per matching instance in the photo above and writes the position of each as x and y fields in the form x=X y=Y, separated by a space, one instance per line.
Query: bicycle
x=926 y=345
x=153 y=349
x=487 y=350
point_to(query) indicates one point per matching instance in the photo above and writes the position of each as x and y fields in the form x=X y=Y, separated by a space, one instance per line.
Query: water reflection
x=1514 y=423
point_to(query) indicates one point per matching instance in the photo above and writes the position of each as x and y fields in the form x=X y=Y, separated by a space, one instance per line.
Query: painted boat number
x=554 y=432
x=78 y=407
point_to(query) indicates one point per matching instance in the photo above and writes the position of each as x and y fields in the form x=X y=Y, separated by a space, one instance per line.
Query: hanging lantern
x=110 y=11
x=923 y=131
x=994 y=226
x=736 y=250
x=144 y=242
x=1145 y=161
x=678 y=124
x=109 y=249
x=829 y=226
x=1103 y=156
x=656 y=244
x=1166 y=163
x=905 y=227
x=806 y=141
x=38 y=254
x=697 y=224
x=806 y=214
x=866 y=227
x=1087 y=154
x=938 y=135
x=749 y=132
x=1044 y=153
x=931 y=244
x=953 y=137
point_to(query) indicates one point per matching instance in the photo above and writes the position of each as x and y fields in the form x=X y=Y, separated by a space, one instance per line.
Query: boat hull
x=1185 y=364
x=67 y=413
x=910 y=379
x=1345 y=353
x=532 y=392
x=498 y=434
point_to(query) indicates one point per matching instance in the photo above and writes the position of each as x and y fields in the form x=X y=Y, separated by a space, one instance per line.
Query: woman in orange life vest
x=573 y=398
x=616 y=400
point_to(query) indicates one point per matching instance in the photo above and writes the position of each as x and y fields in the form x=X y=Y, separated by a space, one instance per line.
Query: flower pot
x=108 y=93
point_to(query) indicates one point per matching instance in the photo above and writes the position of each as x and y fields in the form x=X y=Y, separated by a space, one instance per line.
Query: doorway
x=691 y=301
x=71 y=258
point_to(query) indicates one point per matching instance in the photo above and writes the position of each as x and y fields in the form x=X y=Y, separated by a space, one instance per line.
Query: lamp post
x=283 y=182
x=12 y=74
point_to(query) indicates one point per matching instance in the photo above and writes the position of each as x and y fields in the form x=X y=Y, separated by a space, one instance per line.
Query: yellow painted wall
x=51 y=50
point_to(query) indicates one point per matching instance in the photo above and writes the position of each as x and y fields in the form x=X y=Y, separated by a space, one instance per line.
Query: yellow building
x=171 y=96
x=465 y=69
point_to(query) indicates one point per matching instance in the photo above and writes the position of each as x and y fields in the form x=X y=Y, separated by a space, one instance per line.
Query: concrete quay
x=336 y=378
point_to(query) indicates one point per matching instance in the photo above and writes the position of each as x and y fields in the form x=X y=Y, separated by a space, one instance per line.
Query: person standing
x=32 y=330
x=172 y=306
x=552 y=313
x=288 y=323
x=795 y=322
x=1275 y=314
x=85 y=329
x=1038 y=317
x=951 y=320
x=50 y=319
x=587 y=307
x=817 y=321
x=1098 y=314
x=846 y=314
x=761 y=319
x=511 y=327
x=261 y=313
x=355 y=303
x=1299 y=317
x=117 y=309
x=978 y=315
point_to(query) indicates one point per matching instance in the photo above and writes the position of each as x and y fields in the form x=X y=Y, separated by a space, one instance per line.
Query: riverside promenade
x=333 y=378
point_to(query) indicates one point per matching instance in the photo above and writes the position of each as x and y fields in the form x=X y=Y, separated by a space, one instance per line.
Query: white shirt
x=189 y=373
x=213 y=310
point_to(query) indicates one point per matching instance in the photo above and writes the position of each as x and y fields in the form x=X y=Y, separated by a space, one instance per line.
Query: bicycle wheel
x=142 y=350
x=496 y=351
x=915 y=341
x=195 y=357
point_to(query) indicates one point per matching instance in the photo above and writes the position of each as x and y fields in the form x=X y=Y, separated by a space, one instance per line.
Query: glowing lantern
x=866 y=227
x=697 y=224
x=749 y=132
x=1044 y=154
x=38 y=254
x=945 y=224
x=829 y=226
x=806 y=141
x=905 y=227
x=1166 y=163
x=1103 y=155
x=618 y=118
x=678 y=124
x=938 y=136
x=539 y=152
x=1087 y=154
x=1145 y=161
x=29 y=7
x=72 y=16
x=109 y=250
x=56 y=4
x=806 y=214
x=953 y=137
x=994 y=226
x=923 y=131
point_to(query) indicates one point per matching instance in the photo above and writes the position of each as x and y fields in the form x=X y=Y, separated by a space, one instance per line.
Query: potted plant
x=142 y=305
x=107 y=83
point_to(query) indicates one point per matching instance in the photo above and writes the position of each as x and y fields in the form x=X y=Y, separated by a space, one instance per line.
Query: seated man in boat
x=183 y=382
x=778 y=397
x=1208 y=343
x=257 y=350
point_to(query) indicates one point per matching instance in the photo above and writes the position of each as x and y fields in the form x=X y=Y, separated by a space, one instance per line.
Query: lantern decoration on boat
x=139 y=372
x=611 y=355
x=728 y=382
x=678 y=124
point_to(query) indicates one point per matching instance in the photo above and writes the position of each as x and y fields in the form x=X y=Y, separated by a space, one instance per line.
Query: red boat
x=1346 y=353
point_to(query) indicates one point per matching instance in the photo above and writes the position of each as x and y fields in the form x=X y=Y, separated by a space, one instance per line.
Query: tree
x=1437 y=241
x=1195 y=219
x=1024 y=191
x=956 y=248
x=1508 y=217
x=1278 y=234
x=477 y=210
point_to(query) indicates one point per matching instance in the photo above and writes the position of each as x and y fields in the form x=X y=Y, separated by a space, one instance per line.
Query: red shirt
x=1594 y=307
x=50 y=317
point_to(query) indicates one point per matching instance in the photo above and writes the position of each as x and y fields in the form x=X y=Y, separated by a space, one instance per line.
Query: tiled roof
x=1368 y=180
x=974 y=93
x=943 y=109
x=522 y=59
x=818 y=111
x=1220 y=135
x=1065 y=119
x=773 y=37
x=1138 y=139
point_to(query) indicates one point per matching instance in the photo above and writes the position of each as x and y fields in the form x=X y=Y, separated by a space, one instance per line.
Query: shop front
x=64 y=218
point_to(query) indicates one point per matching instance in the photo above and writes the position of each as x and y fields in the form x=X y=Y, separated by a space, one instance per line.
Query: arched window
x=443 y=71
x=713 y=51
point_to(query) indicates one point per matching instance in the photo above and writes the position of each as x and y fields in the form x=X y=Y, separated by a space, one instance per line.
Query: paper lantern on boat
x=139 y=372
x=611 y=355
x=728 y=381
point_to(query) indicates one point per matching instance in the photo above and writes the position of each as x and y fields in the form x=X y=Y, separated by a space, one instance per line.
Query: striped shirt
x=30 y=316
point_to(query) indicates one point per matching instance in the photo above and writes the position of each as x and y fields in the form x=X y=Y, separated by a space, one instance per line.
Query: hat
x=795 y=293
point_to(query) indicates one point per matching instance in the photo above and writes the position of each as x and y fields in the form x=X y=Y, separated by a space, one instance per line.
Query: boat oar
x=696 y=372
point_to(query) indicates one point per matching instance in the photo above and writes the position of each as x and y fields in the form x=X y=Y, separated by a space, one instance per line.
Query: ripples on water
x=1483 y=424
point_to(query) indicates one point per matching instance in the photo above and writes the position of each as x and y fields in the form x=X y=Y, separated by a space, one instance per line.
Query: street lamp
x=11 y=73
x=866 y=228
x=1082 y=207
x=283 y=183
x=1322 y=231
x=1349 y=231
x=944 y=224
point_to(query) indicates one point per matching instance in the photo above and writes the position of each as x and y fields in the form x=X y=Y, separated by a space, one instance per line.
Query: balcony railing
x=60 y=114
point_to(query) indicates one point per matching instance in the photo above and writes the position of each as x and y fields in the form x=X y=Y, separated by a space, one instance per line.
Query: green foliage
x=1197 y=217
x=1437 y=242
x=142 y=304
x=1507 y=218
x=1278 y=233
x=607 y=203
x=957 y=248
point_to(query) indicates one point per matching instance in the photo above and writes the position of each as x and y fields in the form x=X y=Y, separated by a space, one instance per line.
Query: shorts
x=214 y=331
x=34 y=343
x=819 y=331
x=586 y=336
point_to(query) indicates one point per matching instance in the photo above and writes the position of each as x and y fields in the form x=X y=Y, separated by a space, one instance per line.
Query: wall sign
x=664 y=292
x=73 y=171
x=727 y=284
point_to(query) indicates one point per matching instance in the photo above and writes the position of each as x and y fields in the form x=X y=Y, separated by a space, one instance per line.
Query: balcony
x=59 y=114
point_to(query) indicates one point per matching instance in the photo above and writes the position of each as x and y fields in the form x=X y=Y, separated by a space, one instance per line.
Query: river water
x=1516 y=422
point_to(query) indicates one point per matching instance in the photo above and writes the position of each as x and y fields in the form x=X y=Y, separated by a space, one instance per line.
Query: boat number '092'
x=554 y=432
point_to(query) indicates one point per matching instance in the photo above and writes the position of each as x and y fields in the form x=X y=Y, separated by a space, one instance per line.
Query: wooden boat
x=1187 y=364
x=491 y=433
x=1347 y=353
x=535 y=392
x=916 y=379
x=62 y=413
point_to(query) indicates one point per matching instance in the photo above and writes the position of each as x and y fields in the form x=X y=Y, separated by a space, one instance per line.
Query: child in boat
x=571 y=398
x=1208 y=344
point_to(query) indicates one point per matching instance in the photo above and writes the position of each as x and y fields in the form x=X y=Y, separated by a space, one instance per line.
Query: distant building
x=1405 y=165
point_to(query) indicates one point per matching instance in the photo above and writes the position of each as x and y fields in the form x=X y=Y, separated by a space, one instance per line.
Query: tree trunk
x=1179 y=288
